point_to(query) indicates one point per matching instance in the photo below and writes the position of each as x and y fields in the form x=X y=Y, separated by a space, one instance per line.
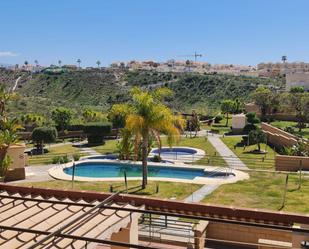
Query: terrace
x=207 y=225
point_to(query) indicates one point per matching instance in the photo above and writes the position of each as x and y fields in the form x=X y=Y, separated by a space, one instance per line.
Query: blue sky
x=224 y=31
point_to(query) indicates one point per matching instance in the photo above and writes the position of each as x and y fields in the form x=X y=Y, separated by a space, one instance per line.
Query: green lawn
x=46 y=158
x=198 y=142
x=167 y=190
x=264 y=191
x=110 y=146
x=251 y=160
x=283 y=124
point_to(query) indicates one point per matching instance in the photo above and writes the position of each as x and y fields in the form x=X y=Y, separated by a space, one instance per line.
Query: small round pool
x=179 y=153
x=175 y=151
x=111 y=169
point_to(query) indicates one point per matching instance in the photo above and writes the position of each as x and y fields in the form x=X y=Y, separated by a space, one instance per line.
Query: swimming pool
x=175 y=151
x=110 y=170
x=186 y=154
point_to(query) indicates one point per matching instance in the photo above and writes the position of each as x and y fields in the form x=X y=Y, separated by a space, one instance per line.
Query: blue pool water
x=105 y=170
x=175 y=151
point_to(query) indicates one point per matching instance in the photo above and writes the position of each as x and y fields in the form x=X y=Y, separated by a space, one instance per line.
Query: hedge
x=97 y=131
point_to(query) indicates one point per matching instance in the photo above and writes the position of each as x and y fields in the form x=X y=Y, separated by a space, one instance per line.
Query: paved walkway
x=200 y=194
x=229 y=157
x=86 y=150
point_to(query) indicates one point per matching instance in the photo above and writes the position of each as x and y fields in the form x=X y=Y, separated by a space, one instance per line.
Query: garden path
x=229 y=156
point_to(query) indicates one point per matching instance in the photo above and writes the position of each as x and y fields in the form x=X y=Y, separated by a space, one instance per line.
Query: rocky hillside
x=101 y=88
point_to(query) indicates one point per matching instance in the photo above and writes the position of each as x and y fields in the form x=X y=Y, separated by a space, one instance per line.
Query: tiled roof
x=38 y=213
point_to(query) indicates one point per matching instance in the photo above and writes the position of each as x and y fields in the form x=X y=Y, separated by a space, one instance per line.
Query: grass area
x=167 y=190
x=46 y=158
x=283 y=124
x=199 y=142
x=263 y=161
x=110 y=146
x=265 y=191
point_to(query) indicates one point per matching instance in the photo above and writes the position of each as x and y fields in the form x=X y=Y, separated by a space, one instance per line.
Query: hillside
x=101 y=88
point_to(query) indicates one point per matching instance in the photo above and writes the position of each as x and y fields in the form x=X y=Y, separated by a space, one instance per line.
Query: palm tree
x=79 y=61
x=150 y=118
x=59 y=63
x=26 y=63
x=36 y=63
x=98 y=63
x=284 y=58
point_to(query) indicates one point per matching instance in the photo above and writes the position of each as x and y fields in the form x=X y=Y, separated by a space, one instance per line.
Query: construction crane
x=195 y=55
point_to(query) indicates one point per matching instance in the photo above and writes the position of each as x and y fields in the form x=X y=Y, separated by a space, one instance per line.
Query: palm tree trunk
x=144 y=160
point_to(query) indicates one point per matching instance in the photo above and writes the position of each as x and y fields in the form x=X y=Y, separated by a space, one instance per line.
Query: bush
x=43 y=135
x=55 y=159
x=156 y=158
x=289 y=129
x=97 y=131
x=60 y=159
x=218 y=119
x=76 y=157
x=249 y=127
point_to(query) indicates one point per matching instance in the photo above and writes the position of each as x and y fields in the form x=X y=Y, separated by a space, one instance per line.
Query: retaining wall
x=291 y=163
x=278 y=137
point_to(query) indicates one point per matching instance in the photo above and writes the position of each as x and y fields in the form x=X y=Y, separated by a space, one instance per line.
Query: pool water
x=175 y=151
x=106 y=170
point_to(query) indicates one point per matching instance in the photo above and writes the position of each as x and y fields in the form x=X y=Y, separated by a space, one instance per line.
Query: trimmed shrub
x=218 y=119
x=249 y=127
x=97 y=131
x=43 y=135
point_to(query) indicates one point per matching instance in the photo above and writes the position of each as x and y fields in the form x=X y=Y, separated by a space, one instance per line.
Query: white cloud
x=7 y=54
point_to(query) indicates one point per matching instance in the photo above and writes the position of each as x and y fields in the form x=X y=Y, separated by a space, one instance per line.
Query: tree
x=62 y=117
x=257 y=137
x=263 y=97
x=93 y=116
x=252 y=120
x=41 y=135
x=8 y=130
x=193 y=124
x=118 y=114
x=78 y=62
x=98 y=63
x=59 y=63
x=299 y=100
x=36 y=63
x=32 y=119
x=150 y=117
x=238 y=106
x=26 y=63
x=227 y=106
